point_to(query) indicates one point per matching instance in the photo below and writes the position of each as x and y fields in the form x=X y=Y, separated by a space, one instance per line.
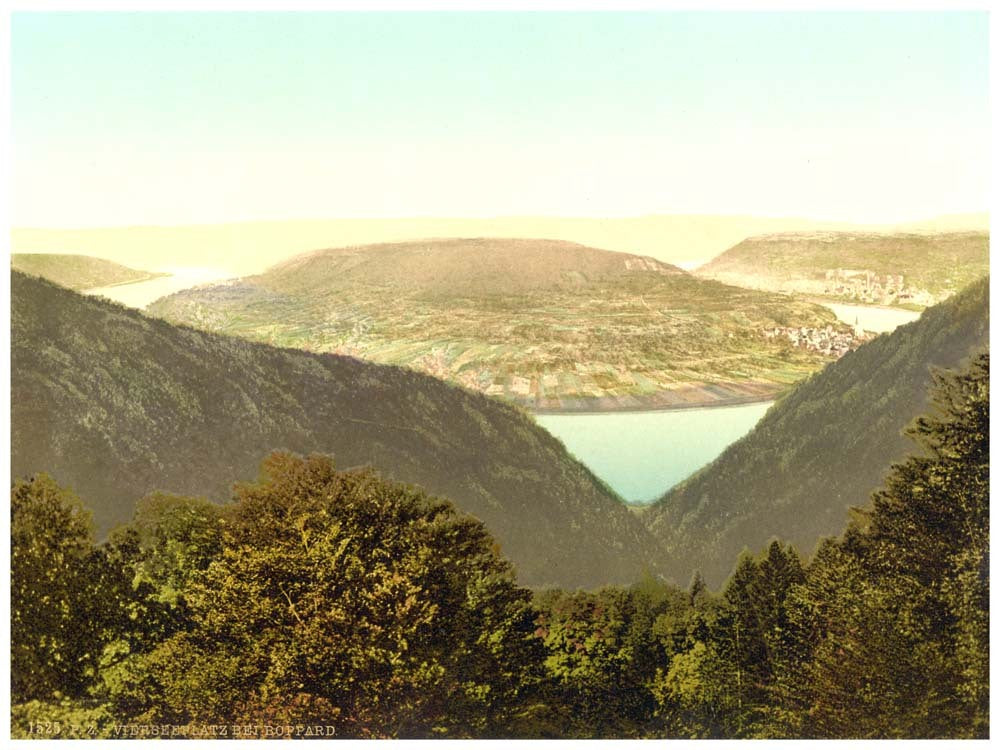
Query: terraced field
x=580 y=329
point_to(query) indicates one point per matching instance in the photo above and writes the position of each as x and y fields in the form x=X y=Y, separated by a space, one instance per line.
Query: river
x=643 y=454
x=871 y=318
x=141 y=293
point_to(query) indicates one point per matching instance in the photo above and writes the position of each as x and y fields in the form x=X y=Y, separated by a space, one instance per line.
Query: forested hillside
x=77 y=271
x=117 y=405
x=322 y=603
x=821 y=449
x=546 y=324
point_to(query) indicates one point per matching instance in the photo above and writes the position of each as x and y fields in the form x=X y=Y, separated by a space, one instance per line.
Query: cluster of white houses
x=828 y=341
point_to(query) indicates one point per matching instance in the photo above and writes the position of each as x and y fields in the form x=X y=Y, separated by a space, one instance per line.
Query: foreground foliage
x=336 y=601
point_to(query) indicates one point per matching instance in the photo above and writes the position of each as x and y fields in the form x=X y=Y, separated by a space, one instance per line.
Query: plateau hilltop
x=547 y=324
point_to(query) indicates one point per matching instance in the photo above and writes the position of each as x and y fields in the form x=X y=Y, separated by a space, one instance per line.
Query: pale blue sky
x=130 y=118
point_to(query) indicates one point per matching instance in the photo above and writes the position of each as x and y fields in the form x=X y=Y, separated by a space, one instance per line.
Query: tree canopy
x=339 y=599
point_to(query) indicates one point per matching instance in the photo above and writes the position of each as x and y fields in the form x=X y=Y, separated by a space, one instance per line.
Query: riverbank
x=150 y=276
x=138 y=294
x=847 y=302
x=707 y=396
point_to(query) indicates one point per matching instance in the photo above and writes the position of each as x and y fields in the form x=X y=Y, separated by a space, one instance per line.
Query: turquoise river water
x=643 y=454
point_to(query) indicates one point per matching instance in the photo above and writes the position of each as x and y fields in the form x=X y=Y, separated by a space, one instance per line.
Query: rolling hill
x=911 y=269
x=116 y=404
x=77 y=271
x=251 y=247
x=821 y=449
x=548 y=324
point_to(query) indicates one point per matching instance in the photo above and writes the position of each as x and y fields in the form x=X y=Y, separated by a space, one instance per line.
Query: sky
x=179 y=118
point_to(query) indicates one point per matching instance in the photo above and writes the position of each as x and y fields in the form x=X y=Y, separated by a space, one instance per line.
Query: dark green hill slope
x=115 y=404
x=77 y=271
x=549 y=325
x=823 y=448
x=858 y=266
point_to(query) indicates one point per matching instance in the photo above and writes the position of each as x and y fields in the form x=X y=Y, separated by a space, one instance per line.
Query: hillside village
x=827 y=341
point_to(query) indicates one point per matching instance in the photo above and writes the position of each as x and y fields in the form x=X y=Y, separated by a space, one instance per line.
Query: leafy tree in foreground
x=728 y=652
x=693 y=684
x=601 y=655
x=56 y=617
x=341 y=599
x=156 y=557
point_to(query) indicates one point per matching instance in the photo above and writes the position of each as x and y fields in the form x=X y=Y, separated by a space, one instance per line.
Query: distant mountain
x=910 y=269
x=116 y=404
x=548 y=324
x=251 y=247
x=821 y=449
x=77 y=271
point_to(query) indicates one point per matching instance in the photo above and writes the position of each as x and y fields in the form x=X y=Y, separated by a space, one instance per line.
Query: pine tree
x=896 y=611
x=930 y=536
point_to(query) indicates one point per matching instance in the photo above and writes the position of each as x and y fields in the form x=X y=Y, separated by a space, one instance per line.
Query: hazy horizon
x=250 y=247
